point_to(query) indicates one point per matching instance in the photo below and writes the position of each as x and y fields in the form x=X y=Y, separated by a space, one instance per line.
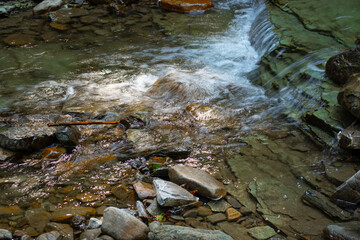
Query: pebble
x=94 y=223
x=144 y=190
x=65 y=214
x=191 y=213
x=53 y=235
x=233 y=202
x=232 y=214
x=141 y=209
x=219 y=206
x=59 y=26
x=262 y=233
x=5 y=234
x=218 y=217
x=90 y=234
x=204 y=211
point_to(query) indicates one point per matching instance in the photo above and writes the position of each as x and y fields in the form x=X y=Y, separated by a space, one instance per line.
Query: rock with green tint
x=349 y=96
x=346 y=231
x=262 y=233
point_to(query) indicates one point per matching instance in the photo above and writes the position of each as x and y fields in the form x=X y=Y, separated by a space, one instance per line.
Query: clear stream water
x=235 y=131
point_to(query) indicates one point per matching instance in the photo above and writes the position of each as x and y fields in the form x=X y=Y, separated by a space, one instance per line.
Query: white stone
x=94 y=223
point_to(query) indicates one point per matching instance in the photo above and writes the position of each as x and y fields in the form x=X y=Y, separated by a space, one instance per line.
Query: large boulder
x=168 y=232
x=123 y=226
x=349 y=96
x=349 y=191
x=184 y=6
x=196 y=179
x=169 y=194
x=47 y=6
x=27 y=138
x=340 y=67
x=343 y=231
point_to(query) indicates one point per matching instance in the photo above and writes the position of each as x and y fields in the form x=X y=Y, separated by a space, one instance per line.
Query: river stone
x=65 y=230
x=169 y=194
x=350 y=190
x=10 y=211
x=53 y=235
x=66 y=15
x=5 y=234
x=59 y=26
x=144 y=190
x=349 y=138
x=219 y=206
x=68 y=135
x=204 y=211
x=349 y=96
x=196 y=179
x=172 y=232
x=141 y=209
x=27 y=138
x=218 y=217
x=127 y=226
x=343 y=231
x=47 y=6
x=78 y=222
x=262 y=233
x=18 y=39
x=90 y=234
x=67 y=213
x=154 y=208
x=94 y=223
x=340 y=67
x=38 y=219
x=184 y=6
x=232 y=214
x=323 y=203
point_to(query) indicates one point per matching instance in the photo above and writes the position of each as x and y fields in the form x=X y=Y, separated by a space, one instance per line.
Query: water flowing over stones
x=127 y=226
x=206 y=185
x=163 y=232
x=169 y=194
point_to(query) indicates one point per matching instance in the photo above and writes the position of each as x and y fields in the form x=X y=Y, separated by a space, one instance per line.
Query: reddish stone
x=184 y=6
x=59 y=26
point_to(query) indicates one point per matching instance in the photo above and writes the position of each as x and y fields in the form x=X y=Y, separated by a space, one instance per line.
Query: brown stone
x=18 y=39
x=232 y=214
x=10 y=211
x=349 y=95
x=59 y=26
x=37 y=218
x=88 y=19
x=219 y=217
x=144 y=190
x=184 y=6
x=204 y=211
x=66 y=214
x=50 y=36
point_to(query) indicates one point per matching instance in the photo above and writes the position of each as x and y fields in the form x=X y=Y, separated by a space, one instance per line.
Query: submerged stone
x=90 y=234
x=59 y=26
x=68 y=136
x=65 y=230
x=169 y=194
x=320 y=201
x=27 y=138
x=6 y=154
x=65 y=214
x=184 y=6
x=206 y=185
x=38 y=219
x=167 y=232
x=53 y=235
x=262 y=233
x=18 y=39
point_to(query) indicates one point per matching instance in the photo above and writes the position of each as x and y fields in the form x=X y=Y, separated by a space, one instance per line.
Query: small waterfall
x=261 y=34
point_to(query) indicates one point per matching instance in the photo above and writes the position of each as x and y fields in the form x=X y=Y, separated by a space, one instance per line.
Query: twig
x=80 y=123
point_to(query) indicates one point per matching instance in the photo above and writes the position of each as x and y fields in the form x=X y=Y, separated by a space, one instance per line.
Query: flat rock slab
x=168 y=232
x=123 y=226
x=262 y=233
x=219 y=206
x=27 y=138
x=343 y=231
x=196 y=179
x=169 y=194
x=323 y=203
x=350 y=190
x=236 y=231
x=144 y=190
x=65 y=214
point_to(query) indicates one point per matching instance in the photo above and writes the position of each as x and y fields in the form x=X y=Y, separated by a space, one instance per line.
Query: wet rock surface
x=349 y=138
x=185 y=6
x=349 y=96
x=5 y=234
x=47 y=6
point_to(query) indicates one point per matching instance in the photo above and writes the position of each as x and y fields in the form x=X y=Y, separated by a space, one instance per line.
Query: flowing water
x=187 y=77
